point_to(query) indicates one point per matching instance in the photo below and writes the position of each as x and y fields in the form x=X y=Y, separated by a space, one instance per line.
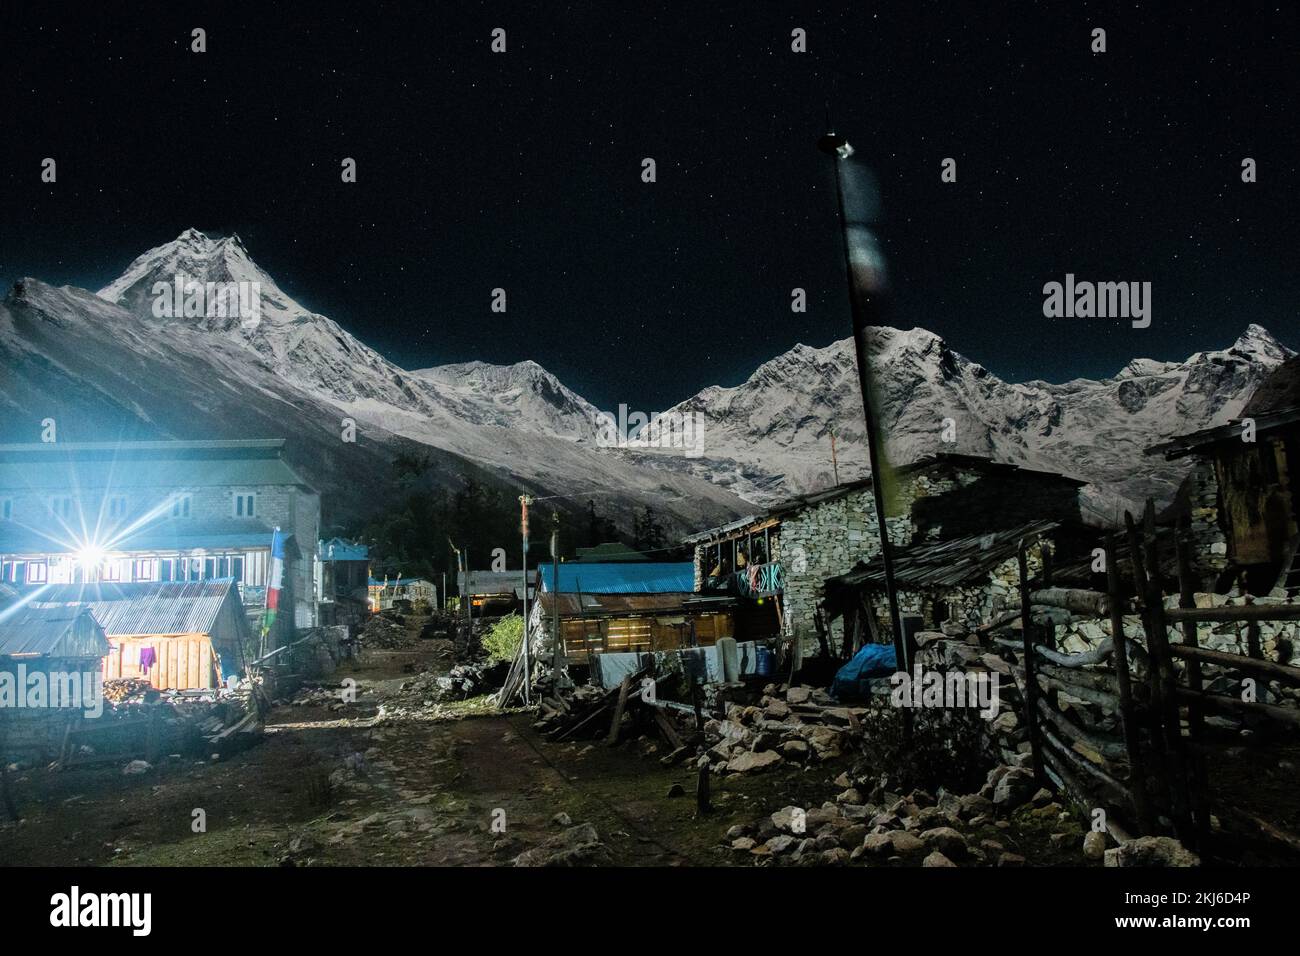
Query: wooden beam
x=1067 y=728
x=1236 y=612
x=1224 y=704
x=1269 y=669
x=1078 y=600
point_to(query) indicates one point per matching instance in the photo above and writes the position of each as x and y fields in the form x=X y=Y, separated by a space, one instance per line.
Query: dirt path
x=351 y=786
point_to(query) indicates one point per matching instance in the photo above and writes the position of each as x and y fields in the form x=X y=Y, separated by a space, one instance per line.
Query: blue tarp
x=874 y=660
x=621 y=577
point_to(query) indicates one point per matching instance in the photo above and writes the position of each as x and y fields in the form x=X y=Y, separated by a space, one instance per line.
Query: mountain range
x=106 y=364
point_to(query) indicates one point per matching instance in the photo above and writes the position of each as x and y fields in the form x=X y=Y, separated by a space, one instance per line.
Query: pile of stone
x=387 y=631
x=799 y=724
x=319 y=697
x=869 y=823
x=462 y=682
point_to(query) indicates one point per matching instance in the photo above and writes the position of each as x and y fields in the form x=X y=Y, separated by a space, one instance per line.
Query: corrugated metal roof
x=968 y=462
x=495 y=582
x=947 y=563
x=622 y=577
x=65 y=631
x=189 y=607
x=72 y=466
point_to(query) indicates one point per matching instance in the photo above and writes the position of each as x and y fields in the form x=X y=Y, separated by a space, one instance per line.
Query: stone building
x=777 y=561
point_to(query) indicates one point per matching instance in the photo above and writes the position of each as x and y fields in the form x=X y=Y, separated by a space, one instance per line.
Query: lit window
x=117 y=506
x=245 y=505
x=61 y=506
x=36 y=572
x=181 y=506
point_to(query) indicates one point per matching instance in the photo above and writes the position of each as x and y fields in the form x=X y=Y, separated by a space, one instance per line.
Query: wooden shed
x=179 y=635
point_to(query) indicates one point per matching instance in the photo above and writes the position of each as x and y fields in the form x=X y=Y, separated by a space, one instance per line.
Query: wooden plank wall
x=183 y=662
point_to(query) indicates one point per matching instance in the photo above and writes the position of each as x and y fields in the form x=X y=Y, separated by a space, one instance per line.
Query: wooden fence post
x=1165 y=684
x=1132 y=741
x=1195 y=711
x=1031 y=672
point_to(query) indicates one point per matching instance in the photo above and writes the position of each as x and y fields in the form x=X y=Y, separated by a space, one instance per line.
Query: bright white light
x=845 y=150
x=90 y=556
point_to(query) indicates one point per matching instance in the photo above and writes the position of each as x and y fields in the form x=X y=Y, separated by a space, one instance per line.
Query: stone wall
x=1209 y=539
x=823 y=541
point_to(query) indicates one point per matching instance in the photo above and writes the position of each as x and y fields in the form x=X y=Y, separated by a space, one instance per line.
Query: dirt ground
x=360 y=786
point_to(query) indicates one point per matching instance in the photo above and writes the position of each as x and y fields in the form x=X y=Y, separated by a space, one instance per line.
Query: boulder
x=878 y=844
x=947 y=841
x=1151 y=851
x=1094 y=845
x=784 y=819
x=904 y=842
x=779 y=844
x=795 y=750
x=576 y=846
x=751 y=761
x=798 y=695
x=1013 y=788
x=937 y=859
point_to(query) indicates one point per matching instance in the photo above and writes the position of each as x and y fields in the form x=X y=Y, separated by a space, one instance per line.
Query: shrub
x=502 y=642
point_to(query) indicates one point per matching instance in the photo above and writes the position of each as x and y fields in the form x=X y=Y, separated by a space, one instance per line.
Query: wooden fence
x=1148 y=773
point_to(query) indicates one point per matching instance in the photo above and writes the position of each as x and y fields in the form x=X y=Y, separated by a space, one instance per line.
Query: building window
x=37 y=572
x=245 y=504
x=181 y=506
x=145 y=569
x=6 y=509
x=117 y=506
x=61 y=506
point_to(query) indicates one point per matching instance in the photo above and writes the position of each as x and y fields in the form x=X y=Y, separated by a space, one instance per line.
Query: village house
x=161 y=511
x=776 y=563
x=389 y=592
x=1238 y=501
x=65 y=647
x=621 y=607
x=191 y=635
x=494 y=592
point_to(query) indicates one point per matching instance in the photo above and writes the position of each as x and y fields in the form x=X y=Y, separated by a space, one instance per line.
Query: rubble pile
x=798 y=724
x=425 y=696
x=387 y=631
x=871 y=824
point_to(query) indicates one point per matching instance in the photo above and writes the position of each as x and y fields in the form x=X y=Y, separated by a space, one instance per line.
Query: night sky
x=522 y=170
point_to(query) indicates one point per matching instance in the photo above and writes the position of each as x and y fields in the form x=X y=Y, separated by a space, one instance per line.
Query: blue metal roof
x=340 y=549
x=622 y=577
